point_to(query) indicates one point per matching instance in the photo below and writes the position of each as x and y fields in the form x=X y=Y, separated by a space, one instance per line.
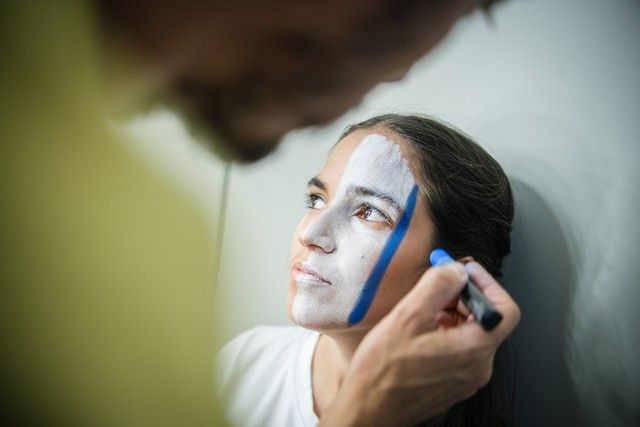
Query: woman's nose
x=317 y=235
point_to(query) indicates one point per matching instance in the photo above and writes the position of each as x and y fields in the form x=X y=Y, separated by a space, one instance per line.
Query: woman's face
x=359 y=207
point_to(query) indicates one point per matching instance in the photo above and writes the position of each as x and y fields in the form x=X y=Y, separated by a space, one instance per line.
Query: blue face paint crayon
x=472 y=297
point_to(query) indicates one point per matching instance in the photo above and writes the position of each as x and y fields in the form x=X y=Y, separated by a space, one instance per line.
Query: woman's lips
x=305 y=275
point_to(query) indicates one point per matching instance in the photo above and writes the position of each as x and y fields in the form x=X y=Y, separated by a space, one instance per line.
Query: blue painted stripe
x=393 y=243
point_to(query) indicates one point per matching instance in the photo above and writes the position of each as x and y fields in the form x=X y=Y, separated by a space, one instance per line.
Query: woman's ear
x=466 y=259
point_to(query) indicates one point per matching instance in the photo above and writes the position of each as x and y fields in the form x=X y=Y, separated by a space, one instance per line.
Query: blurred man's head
x=253 y=70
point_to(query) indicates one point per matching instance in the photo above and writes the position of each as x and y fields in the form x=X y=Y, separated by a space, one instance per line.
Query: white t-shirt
x=264 y=377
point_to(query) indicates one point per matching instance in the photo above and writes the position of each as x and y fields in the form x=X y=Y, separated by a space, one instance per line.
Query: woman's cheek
x=358 y=261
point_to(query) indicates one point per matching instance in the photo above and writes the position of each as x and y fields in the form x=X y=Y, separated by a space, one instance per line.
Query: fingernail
x=460 y=269
x=471 y=267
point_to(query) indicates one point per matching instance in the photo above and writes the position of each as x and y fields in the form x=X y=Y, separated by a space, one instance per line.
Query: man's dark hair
x=292 y=67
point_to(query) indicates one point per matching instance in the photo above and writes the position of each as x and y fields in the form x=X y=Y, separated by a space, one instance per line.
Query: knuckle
x=477 y=343
x=485 y=376
x=480 y=362
x=407 y=316
x=482 y=367
x=438 y=276
x=517 y=314
x=469 y=391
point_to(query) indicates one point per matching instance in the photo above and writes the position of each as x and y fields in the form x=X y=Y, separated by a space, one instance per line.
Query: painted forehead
x=378 y=164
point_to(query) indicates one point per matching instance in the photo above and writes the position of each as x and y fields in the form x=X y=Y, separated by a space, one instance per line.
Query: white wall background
x=552 y=89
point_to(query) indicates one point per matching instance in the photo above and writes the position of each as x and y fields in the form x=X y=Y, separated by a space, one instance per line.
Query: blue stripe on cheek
x=391 y=246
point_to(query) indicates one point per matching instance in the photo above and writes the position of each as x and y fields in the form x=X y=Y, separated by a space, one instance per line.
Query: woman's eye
x=371 y=214
x=314 y=201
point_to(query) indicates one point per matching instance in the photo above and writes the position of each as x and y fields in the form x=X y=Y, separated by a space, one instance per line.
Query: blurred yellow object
x=107 y=271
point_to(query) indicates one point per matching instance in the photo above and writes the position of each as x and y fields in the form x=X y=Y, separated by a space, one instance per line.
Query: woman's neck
x=331 y=361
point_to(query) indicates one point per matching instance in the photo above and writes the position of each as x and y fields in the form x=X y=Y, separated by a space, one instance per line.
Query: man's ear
x=465 y=259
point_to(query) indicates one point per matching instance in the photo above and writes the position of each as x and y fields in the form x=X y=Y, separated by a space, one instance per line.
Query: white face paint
x=331 y=277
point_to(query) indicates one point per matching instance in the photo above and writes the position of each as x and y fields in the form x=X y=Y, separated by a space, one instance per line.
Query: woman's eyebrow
x=316 y=182
x=366 y=191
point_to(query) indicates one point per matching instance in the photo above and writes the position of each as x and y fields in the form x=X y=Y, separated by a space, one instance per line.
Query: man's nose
x=319 y=234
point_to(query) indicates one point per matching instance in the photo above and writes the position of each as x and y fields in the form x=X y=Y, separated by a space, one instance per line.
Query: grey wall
x=552 y=89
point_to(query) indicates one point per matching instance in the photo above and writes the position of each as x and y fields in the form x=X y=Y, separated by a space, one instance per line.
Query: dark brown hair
x=469 y=200
x=467 y=194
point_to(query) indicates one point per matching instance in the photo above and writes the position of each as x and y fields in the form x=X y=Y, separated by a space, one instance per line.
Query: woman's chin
x=315 y=321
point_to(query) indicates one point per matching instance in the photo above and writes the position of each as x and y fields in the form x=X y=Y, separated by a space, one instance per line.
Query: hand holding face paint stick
x=482 y=309
x=408 y=369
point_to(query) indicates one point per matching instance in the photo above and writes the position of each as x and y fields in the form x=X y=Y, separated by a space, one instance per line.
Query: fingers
x=437 y=287
x=469 y=337
x=467 y=348
x=462 y=309
x=453 y=314
x=450 y=319
x=498 y=297
x=440 y=285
